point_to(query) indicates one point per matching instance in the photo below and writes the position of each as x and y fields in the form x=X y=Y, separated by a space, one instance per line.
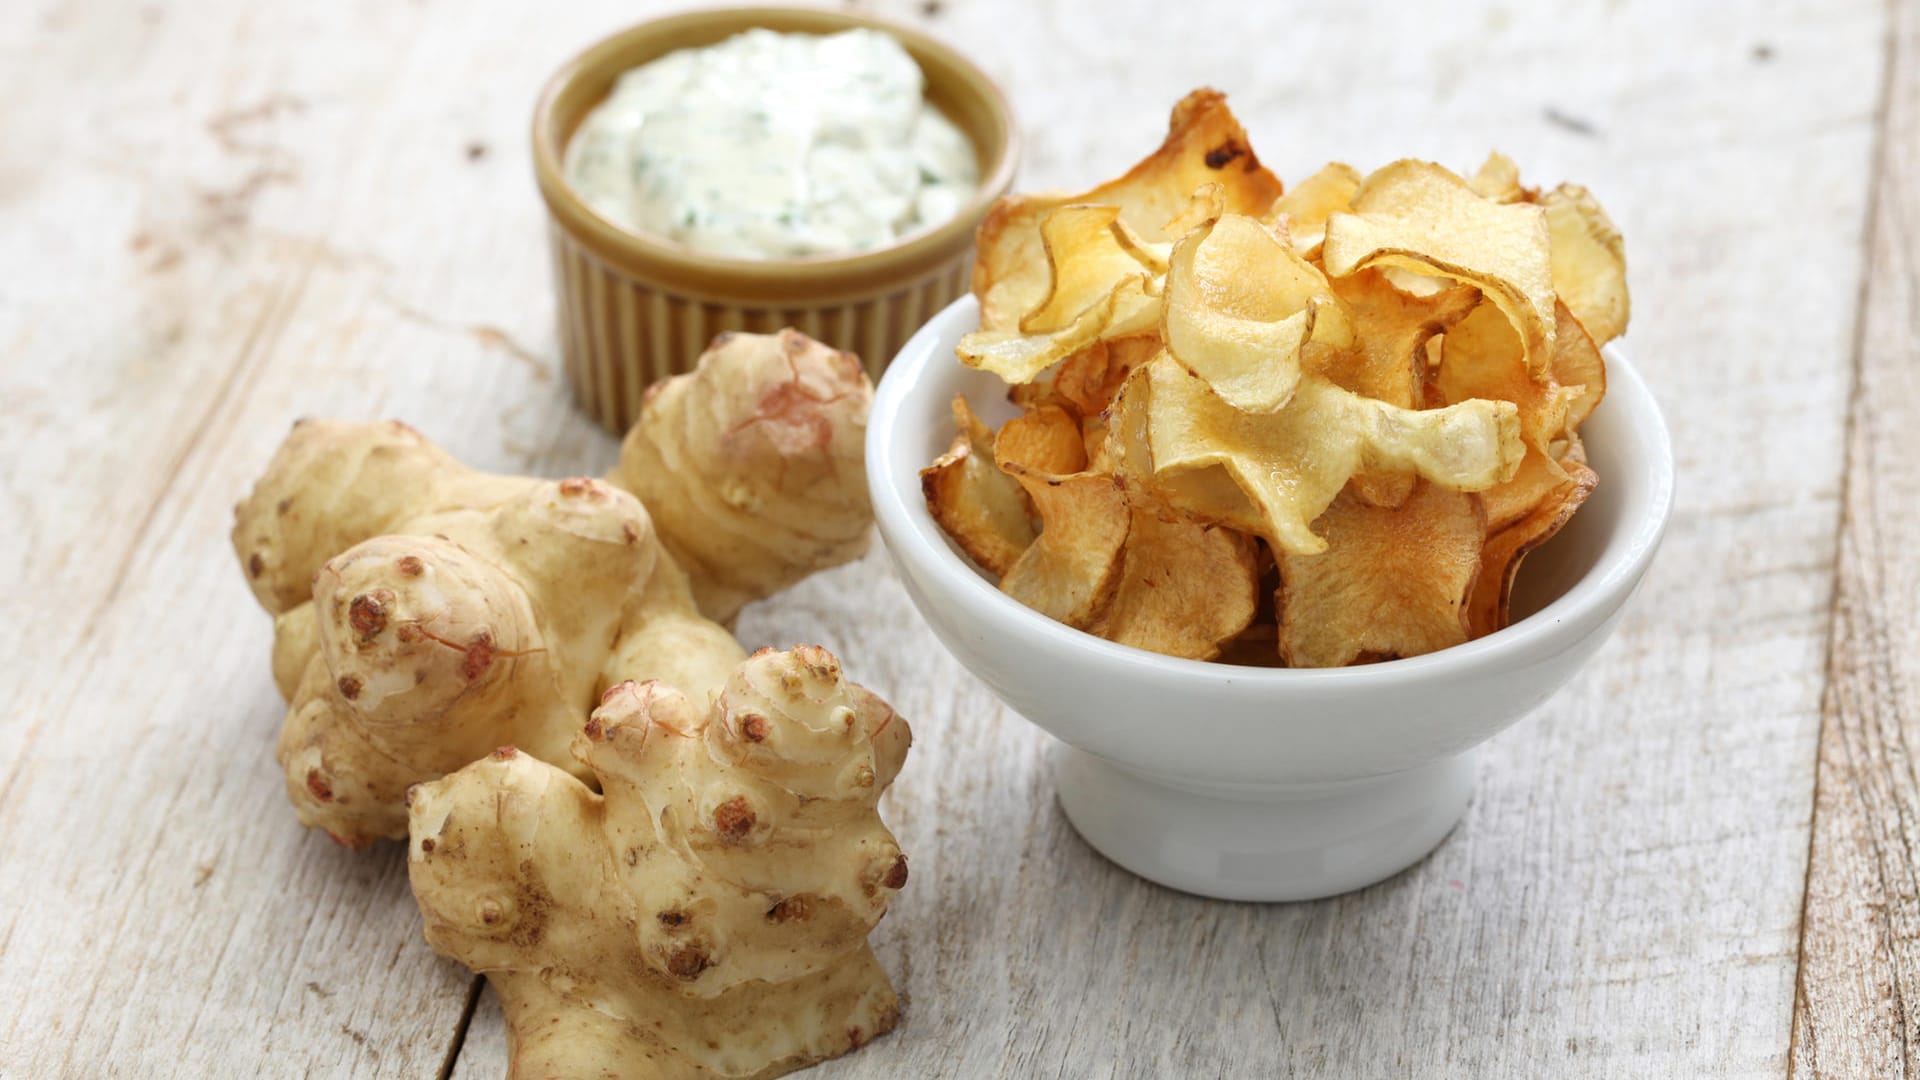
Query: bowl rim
x=912 y=537
x=813 y=277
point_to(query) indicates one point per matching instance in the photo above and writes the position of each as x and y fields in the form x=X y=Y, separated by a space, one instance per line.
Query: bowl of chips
x=1229 y=488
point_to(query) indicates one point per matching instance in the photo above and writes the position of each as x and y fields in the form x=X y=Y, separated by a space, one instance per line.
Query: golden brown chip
x=1390 y=331
x=1093 y=435
x=1239 y=307
x=1257 y=646
x=1032 y=395
x=1417 y=216
x=1045 y=440
x=1589 y=262
x=1306 y=208
x=1070 y=570
x=1087 y=380
x=1578 y=366
x=1488 y=610
x=1089 y=253
x=1387 y=361
x=1392 y=583
x=981 y=508
x=1481 y=359
x=1540 y=479
x=1132 y=308
x=1272 y=475
x=1204 y=145
x=1185 y=588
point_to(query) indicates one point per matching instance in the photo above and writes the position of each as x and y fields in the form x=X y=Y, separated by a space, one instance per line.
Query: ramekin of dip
x=753 y=168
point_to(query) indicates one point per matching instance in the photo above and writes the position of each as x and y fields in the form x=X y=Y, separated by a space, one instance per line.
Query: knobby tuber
x=754 y=470
x=707 y=915
x=426 y=612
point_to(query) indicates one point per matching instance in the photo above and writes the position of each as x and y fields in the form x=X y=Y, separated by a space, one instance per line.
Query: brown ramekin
x=636 y=308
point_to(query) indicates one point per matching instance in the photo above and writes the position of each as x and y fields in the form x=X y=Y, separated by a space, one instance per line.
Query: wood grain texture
x=1857 y=1005
x=211 y=223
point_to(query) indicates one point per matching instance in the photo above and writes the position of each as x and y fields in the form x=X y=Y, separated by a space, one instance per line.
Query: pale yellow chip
x=1392 y=582
x=1204 y=145
x=1205 y=208
x=981 y=508
x=1498 y=179
x=1289 y=465
x=1240 y=306
x=1132 y=308
x=1185 y=588
x=1089 y=253
x=1417 y=216
x=1589 y=262
x=1306 y=207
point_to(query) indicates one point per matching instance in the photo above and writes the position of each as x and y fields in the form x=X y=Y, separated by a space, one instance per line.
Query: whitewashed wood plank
x=206 y=234
x=1857 y=1005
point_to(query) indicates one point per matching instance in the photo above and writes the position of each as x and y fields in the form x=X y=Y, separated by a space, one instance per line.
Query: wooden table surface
x=1697 y=860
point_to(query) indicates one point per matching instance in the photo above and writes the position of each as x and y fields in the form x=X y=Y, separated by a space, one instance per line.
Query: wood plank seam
x=1857 y=524
x=459 y=1039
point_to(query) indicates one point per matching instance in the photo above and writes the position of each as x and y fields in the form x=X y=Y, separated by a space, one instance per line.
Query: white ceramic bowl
x=1255 y=783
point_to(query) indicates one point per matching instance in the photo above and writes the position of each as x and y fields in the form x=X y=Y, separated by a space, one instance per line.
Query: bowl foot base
x=1294 y=843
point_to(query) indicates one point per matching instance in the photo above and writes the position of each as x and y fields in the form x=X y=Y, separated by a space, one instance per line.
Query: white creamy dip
x=771 y=145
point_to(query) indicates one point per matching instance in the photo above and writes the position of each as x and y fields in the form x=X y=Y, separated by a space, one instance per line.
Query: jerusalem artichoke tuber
x=753 y=465
x=708 y=915
x=426 y=612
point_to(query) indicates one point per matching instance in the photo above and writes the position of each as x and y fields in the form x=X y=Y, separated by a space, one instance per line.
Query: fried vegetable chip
x=1093 y=435
x=981 y=508
x=1498 y=180
x=1589 y=262
x=1045 y=441
x=1577 y=365
x=1306 y=208
x=1488 y=609
x=1392 y=582
x=1132 y=308
x=1418 y=216
x=1204 y=208
x=1069 y=572
x=1540 y=479
x=1086 y=381
x=1071 y=568
x=1481 y=359
x=1204 y=145
x=1185 y=589
x=1289 y=465
x=1089 y=253
x=1257 y=646
x=1239 y=307
x=1382 y=378
x=1388 y=360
